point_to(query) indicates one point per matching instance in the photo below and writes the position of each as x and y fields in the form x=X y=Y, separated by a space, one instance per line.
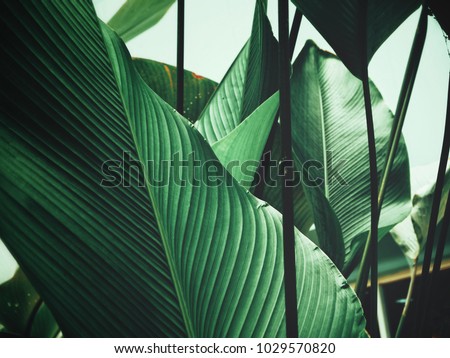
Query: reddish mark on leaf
x=197 y=76
x=166 y=68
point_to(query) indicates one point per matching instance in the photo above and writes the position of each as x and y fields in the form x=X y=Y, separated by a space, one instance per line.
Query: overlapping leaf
x=162 y=79
x=356 y=28
x=136 y=16
x=241 y=150
x=330 y=139
x=130 y=260
x=251 y=79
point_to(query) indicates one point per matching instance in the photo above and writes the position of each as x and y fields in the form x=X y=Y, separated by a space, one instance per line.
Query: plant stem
x=424 y=295
x=290 y=280
x=264 y=167
x=180 y=56
x=295 y=28
x=373 y=206
x=397 y=125
x=408 y=299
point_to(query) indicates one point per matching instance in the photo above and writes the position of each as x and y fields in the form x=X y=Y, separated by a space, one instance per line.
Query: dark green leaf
x=356 y=28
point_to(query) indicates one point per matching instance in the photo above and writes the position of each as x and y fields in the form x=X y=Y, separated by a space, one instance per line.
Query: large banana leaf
x=328 y=121
x=251 y=79
x=160 y=259
x=162 y=79
x=136 y=16
x=356 y=28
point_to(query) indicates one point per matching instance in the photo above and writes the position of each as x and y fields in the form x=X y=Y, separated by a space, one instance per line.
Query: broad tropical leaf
x=356 y=28
x=330 y=140
x=119 y=258
x=162 y=79
x=411 y=233
x=136 y=16
x=251 y=79
x=242 y=149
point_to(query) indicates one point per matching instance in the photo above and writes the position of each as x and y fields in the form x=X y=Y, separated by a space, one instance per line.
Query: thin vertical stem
x=295 y=28
x=373 y=206
x=180 y=56
x=424 y=295
x=408 y=300
x=286 y=144
x=264 y=167
x=399 y=119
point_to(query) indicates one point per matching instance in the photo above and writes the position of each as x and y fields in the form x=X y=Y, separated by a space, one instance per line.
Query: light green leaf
x=356 y=28
x=329 y=128
x=162 y=79
x=160 y=259
x=136 y=16
x=252 y=78
x=411 y=233
x=244 y=146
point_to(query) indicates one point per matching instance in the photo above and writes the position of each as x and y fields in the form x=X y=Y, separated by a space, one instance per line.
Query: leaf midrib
x=322 y=123
x=176 y=281
x=170 y=260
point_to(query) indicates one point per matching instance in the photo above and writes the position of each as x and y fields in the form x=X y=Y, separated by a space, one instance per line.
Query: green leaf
x=162 y=79
x=146 y=257
x=330 y=139
x=136 y=16
x=244 y=146
x=355 y=29
x=252 y=78
x=411 y=233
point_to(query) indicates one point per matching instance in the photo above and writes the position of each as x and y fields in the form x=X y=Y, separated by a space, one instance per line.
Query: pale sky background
x=216 y=31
